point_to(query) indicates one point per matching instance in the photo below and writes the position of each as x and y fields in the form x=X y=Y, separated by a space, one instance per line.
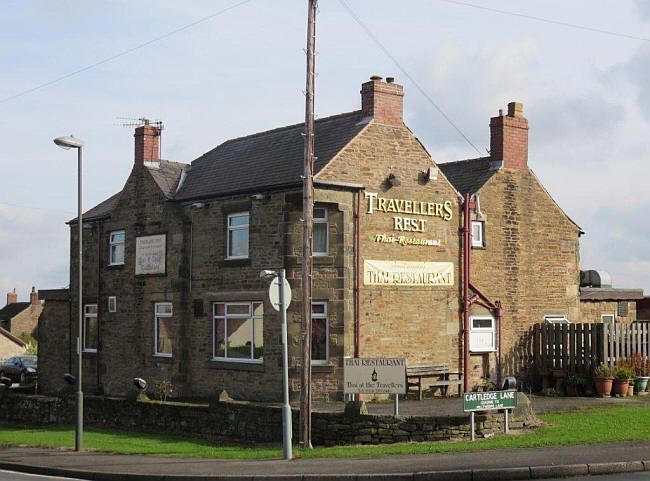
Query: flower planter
x=620 y=387
x=603 y=385
x=641 y=384
x=559 y=375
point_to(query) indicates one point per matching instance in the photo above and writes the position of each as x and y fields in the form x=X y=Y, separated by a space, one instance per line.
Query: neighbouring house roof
x=609 y=294
x=10 y=311
x=268 y=159
x=469 y=175
x=11 y=337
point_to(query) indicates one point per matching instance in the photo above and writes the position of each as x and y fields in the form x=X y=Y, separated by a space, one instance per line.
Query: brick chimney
x=33 y=297
x=12 y=297
x=384 y=101
x=147 y=144
x=509 y=137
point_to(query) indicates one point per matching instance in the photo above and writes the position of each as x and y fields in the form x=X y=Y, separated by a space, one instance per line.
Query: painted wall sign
x=415 y=207
x=407 y=273
x=485 y=401
x=374 y=376
x=150 y=254
x=404 y=241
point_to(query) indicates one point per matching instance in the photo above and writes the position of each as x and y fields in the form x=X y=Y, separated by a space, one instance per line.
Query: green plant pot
x=641 y=384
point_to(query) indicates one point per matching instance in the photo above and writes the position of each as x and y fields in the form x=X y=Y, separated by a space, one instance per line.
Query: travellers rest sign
x=374 y=376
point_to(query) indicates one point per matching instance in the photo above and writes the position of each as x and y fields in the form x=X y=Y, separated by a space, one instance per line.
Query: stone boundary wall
x=245 y=422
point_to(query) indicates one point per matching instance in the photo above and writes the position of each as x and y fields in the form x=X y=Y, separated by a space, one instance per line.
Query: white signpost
x=375 y=376
x=274 y=293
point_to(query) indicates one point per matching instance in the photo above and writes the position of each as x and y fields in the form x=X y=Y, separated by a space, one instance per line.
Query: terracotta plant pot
x=572 y=391
x=559 y=375
x=620 y=387
x=603 y=385
x=545 y=374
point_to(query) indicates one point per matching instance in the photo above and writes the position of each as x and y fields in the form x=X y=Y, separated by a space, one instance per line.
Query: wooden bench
x=416 y=376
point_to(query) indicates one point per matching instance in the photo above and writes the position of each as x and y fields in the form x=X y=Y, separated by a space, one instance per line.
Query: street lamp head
x=267 y=273
x=69 y=142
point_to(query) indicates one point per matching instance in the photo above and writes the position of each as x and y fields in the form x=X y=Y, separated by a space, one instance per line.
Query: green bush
x=603 y=370
x=577 y=380
x=623 y=372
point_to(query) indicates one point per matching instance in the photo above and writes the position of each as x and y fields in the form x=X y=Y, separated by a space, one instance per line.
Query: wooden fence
x=581 y=347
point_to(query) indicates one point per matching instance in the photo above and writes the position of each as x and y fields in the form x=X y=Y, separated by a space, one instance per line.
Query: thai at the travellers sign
x=374 y=376
x=150 y=254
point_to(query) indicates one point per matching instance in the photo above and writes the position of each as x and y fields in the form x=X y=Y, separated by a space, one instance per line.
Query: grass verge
x=577 y=427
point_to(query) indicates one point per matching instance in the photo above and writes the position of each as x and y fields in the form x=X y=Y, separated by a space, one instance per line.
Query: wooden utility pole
x=307 y=230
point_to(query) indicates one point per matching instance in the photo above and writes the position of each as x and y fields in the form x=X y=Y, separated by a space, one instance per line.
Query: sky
x=586 y=95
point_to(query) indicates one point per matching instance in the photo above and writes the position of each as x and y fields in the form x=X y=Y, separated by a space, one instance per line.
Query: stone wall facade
x=54 y=350
x=592 y=311
x=247 y=422
x=26 y=322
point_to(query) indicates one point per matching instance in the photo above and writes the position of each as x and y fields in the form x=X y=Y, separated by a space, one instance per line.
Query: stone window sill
x=322 y=368
x=163 y=359
x=235 y=262
x=235 y=366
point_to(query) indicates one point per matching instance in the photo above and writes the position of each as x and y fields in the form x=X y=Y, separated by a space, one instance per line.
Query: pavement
x=535 y=463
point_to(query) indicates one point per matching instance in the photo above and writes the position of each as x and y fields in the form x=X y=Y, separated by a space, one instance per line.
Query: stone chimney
x=147 y=144
x=509 y=137
x=33 y=297
x=383 y=101
x=12 y=297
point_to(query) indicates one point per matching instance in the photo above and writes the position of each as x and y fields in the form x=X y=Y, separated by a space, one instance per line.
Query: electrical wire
x=547 y=20
x=407 y=75
x=124 y=52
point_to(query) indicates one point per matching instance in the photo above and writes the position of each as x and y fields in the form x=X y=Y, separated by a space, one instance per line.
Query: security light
x=69 y=378
x=510 y=383
x=267 y=273
x=140 y=383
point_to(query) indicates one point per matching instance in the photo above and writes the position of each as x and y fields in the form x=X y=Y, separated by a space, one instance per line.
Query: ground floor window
x=319 y=333
x=482 y=336
x=90 y=328
x=608 y=319
x=238 y=331
x=556 y=319
x=163 y=329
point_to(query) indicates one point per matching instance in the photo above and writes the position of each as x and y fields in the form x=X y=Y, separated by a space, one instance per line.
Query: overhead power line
x=406 y=74
x=548 y=20
x=124 y=52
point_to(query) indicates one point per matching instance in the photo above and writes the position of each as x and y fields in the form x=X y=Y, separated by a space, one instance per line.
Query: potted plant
x=575 y=383
x=603 y=379
x=640 y=365
x=622 y=376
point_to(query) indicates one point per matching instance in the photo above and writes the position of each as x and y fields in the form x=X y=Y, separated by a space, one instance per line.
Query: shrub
x=603 y=370
x=639 y=364
x=163 y=389
x=577 y=380
x=623 y=372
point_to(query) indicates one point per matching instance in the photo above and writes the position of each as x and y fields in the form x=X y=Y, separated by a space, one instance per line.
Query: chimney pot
x=12 y=297
x=390 y=80
x=509 y=138
x=33 y=297
x=515 y=109
x=376 y=77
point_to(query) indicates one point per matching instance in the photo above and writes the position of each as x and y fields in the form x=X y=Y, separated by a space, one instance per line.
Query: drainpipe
x=100 y=235
x=466 y=302
x=357 y=313
x=499 y=315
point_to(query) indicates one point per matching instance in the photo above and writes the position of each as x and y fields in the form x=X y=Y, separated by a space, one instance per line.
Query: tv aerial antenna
x=142 y=121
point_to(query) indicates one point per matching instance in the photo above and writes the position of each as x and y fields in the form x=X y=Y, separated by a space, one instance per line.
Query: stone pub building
x=172 y=261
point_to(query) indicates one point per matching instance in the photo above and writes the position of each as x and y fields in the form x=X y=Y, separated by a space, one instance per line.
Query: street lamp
x=73 y=143
x=280 y=300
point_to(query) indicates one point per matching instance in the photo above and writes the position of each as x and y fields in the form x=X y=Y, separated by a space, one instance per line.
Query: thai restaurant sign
x=374 y=376
x=150 y=253
x=407 y=273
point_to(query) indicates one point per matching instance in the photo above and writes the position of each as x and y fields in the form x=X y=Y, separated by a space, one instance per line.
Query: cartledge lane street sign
x=374 y=376
x=490 y=400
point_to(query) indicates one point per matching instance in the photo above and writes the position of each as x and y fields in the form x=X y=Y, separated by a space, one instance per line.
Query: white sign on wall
x=374 y=376
x=150 y=254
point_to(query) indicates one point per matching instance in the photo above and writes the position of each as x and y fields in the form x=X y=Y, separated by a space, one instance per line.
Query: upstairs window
x=478 y=229
x=238 y=235
x=90 y=328
x=320 y=241
x=163 y=329
x=116 y=243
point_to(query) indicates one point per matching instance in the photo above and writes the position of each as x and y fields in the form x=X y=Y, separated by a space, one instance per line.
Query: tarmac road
x=14 y=476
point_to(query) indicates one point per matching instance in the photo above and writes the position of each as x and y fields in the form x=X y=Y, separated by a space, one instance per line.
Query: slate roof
x=12 y=310
x=267 y=159
x=468 y=176
x=609 y=294
x=101 y=210
x=167 y=176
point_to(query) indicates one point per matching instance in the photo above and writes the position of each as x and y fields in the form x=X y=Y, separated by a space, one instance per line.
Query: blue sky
x=585 y=94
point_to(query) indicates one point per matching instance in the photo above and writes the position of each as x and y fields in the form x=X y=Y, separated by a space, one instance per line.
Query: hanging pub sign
x=374 y=376
x=408 y=273
x=150 y=254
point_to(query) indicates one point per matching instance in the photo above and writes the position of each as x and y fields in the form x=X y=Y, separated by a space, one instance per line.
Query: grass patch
x=577 y=427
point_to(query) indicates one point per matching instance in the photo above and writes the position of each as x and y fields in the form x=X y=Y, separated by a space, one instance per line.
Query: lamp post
x=280 y=300
x=73 y=143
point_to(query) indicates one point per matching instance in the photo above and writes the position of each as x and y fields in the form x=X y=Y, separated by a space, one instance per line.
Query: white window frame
x=112 y=304
x=556 y=319
x=478 y=242
x=603 y=316
x=112 y=243
x=322 y=220
x=88 y=315
x=324 y=315
x=156 y=316
x=251 y=315
x=482 y=330
x=230 y=228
